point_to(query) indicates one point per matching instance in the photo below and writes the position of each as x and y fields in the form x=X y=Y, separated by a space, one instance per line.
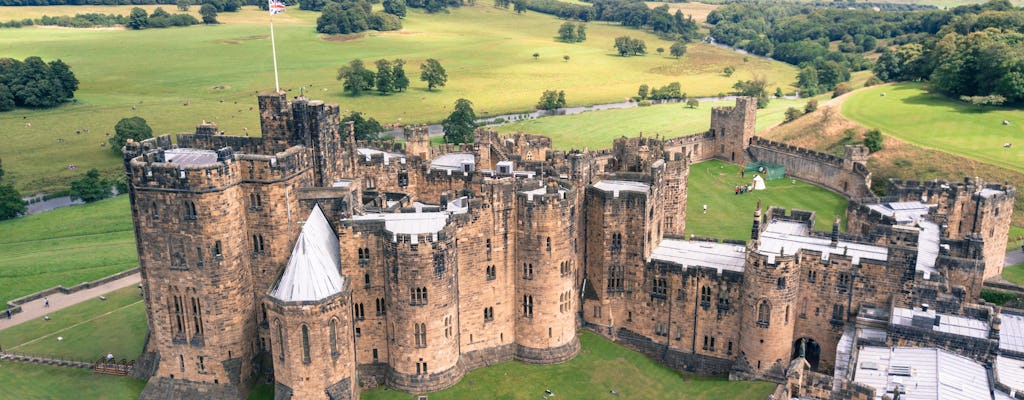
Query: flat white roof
x=416 y=223
x=313 y=270
x=922 y=373
x=187 y=156
x=368 y=152
x=927 y=247
x=986 y=192
x=622 y=186
x=905 y=212
x=689 y=253
x=789 y=237
x=1011 y=332
x=452 y=161
x=951 y=324
x=1010 y=372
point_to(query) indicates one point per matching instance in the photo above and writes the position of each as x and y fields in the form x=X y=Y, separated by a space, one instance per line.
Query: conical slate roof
x=313 y=269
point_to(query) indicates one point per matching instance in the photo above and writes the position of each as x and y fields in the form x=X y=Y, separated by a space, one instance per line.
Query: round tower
x=422 y=288
x=770 y=283
x=546 y=270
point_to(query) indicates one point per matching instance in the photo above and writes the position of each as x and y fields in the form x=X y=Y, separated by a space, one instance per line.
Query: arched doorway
x=809 y=349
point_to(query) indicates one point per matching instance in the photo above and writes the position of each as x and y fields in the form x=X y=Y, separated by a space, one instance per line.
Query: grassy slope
x=907 y=112
x=30 y=381
x=596 y=130
x=729 y=215
x=203 y=65
x=90 y=329
x=66 y=247
x=600 y=367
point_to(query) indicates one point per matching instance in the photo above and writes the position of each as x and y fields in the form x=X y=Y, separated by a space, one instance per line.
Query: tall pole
x=273 y=49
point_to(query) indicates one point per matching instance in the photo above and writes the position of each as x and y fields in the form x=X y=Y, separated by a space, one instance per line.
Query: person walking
x=46 y=302
x=705 y=208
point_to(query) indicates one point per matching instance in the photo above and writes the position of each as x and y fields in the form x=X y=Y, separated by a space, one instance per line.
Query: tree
x=807 y=81
x=209 y=13
x=385 y=77
x=519 y=6
x=811 y=105
x=565 y=58
x=458 y=127
x=433 y=74
x=11 y=204
x=643 y=91
x=551 y=100
x=1 y=170
x=356 y=78
x=365 y=129
x=134 y=128
x=792 y=113
x=873 y=140
x=183 y=5
x=536 y=56
x=692 y=103
x=395 y=7
x=660 y=50
x=567 y=32
x=627 y=45
x=90 y=187
x=841 y=89
x=6 y=98
x=728 y=71
x=753 y=88
x=872 y=81
x=778 y=92
x=502 y=3
x=137 y=19
x=677 y=49
x=398 y=69
x=581 y=33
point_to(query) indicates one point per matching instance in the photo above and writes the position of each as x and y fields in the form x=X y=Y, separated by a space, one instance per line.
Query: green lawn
x=597 y=129
x=907 y=112
x=66 y=247
x=601 y=367
x=1014 y=273
x=31 y=381
x=89 y=330
x=486 y=51
x=730 y=216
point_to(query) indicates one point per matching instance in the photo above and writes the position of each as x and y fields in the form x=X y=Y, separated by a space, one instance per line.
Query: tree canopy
x=90 y=187
x=433 y=74
x=365 y=129
x=626 y=45
x=356 y=78
x=551 y=100
x=459 y=126
x=35 y=83
x=134 y=128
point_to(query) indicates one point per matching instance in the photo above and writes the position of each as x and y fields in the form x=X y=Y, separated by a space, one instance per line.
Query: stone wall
x=850 y=179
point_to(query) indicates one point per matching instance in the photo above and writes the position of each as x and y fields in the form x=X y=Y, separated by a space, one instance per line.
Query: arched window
x=528 y=306
x=305 y=344
x=420 y=334
x=366 y=280
x=280 y=340
x=190 y=210
x=334 y=337
x=549 y=243
x=615 y=278
x=764 y=314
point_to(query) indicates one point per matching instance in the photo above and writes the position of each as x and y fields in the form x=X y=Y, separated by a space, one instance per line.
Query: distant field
x=32 y=381
x=730 y=216
x=213 y=72
x=596 y=130
x=600 y=368
x=18 y=13
x=66 y=247
x=909 y=113
x=90 y=330
x=699 y=11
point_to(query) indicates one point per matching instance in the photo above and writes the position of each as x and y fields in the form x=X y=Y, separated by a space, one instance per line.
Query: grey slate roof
x=313 y=271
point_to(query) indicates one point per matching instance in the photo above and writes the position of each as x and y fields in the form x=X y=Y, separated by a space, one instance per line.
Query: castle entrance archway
x=809 y=349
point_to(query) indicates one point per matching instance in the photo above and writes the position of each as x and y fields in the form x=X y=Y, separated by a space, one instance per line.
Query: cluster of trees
x=95 y=2
x=630 y=13
x=137 y=18
x=551 y=100
x=757 y=87
x=670 y=91
x=91 y=187
x=390 y=76
x=519 y=6
x=11 y=204
x=572 y=33
x=434 y=6
x=35 y=83
x=793 y=113
x=626 y=45
x=974 y=55
x=352 y=16
x=364 y=128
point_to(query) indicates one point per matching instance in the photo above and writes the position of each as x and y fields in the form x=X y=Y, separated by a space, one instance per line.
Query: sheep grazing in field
x=1007 y=145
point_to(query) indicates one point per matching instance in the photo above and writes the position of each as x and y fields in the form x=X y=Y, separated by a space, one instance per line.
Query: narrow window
x=305 y=344
x=280 y=340
x=375 y=358
x=216 y=249
x=764 y=311
x=366 y=281
x=197 y=316
x=334 y=336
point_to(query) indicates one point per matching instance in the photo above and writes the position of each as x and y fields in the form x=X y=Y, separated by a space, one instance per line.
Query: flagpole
x=273 y=49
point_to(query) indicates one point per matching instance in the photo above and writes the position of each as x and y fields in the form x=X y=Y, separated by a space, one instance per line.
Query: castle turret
x=732 y=128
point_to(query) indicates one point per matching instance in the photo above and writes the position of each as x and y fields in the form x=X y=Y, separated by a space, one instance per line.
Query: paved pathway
x=34 y=309
x=1014 y=257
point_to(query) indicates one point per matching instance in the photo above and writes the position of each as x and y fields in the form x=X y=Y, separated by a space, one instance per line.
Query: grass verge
x=31 y=381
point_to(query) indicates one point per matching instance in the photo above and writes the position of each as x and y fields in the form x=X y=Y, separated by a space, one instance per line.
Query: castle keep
x=338 y=265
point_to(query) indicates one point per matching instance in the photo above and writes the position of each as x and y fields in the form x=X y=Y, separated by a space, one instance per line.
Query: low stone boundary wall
x=15 y=305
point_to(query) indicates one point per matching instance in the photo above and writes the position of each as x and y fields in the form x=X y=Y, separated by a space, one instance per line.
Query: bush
x=996 y=297
x=841 y=89
x=90 y=187
x=810 y=106
x=872 y=81
x=644 y=103
x=792 y=113
x=873 y=140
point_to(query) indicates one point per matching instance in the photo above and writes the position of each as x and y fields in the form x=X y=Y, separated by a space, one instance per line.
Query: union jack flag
x=276 y=7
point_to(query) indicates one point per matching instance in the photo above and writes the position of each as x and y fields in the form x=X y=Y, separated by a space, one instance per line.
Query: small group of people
x=741 y=189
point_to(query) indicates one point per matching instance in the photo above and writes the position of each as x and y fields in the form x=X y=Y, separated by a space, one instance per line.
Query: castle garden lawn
x=32 y=381
x=1014 y=273
x=217 y=70
x=597 y=129
x=90 y=330
x=908 y=112
x=66 y=246
x=730 y=216
x=600 y=367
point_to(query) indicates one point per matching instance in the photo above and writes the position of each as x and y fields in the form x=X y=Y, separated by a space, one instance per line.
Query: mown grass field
x=601 y=367
x=596 y=130
x=217 y=70
x=90 y=330
x=1014 y=273
x=730 y=216
x=66 y=247
x=932 y=121
x=31 y=381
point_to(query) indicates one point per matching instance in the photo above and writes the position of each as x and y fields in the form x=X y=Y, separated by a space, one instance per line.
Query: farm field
x=212 y=73
x=66 y=246
x=907 y=112
x=596 y=130
x=89 y=330
x=730 y=216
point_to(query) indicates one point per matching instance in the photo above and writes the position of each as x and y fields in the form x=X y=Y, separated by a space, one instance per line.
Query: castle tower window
x=197 y=316
x=729 y=349
x=305 y=345
x=263 y=312
x=488 y=249
x=379 y=307
x=491 y=273
x=358 y=310
x=616 y=242
x=255 y=202
x=199 y=257
x=549 y=244
x=712 y=348
x=528 y=306
x=257 y=244
x=705 y=296
x=488 y=314
x=190 y=210
x=366 y=281
x=178 y=311
x=202 y=363
x=419 y=296
x=376 y=358
x=527 y=271
x=155 y=211
x=420 y=334
x=448 y=327
x=660 y=288
x=439 y=266
x=333 y=327
x=780 y=283
x=837 y=312
x=844 y=280
x=597 y=311
x=787 y=314
x=812 y=276
x=364 y=255
x=615 y=278
x=280 y=340
x=181 y=360
x=764 y=314
x=217 y=249
x=705 y=343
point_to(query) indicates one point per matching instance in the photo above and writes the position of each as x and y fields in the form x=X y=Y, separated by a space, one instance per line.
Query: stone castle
x=334 y=265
